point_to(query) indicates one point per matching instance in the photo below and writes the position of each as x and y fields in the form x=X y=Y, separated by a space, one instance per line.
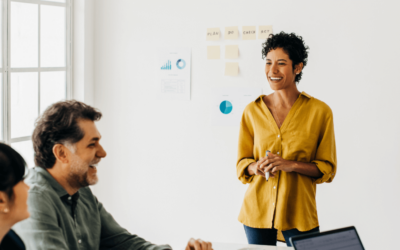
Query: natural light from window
x=34 y=46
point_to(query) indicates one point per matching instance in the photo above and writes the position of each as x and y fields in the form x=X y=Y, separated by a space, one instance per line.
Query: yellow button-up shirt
x=288 y=200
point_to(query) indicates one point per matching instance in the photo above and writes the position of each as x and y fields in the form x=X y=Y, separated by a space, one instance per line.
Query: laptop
x=339 y=239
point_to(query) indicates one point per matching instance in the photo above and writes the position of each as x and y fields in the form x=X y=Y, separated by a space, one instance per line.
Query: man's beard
x=78 y=175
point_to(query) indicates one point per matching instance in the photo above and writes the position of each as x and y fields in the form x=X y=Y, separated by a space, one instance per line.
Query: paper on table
x=231 y=51
x=213 y=34
x=231 y=33
x=213 y=52
x=249 y=32
x=231 y=69
x=264 y=31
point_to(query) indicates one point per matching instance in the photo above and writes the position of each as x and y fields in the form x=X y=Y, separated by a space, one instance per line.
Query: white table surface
x=233 y=246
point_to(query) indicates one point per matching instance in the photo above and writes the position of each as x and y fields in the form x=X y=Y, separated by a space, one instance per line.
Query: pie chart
x=225 y=107
x=180 y=64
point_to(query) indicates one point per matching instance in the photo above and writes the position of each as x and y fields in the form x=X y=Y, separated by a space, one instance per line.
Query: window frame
x=6 y=69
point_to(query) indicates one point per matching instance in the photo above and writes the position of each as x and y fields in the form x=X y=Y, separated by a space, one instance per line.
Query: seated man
x=64 y=212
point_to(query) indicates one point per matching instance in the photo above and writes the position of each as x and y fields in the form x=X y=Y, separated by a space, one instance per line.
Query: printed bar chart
x=167 y=65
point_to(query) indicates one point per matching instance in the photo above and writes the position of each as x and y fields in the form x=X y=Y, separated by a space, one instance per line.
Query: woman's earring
x=5 y=210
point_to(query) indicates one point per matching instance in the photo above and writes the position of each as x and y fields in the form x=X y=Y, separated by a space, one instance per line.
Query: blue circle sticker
x=180 y=64
x=225 y=107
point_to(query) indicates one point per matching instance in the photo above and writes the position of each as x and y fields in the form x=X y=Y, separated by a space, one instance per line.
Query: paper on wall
x=213 y=34
x=231 y=68
x=173 y=73
x=213 y=52
x=231 y=51
x=231 y=33
x=264 y=31
x=228 y=104
x=249 y=32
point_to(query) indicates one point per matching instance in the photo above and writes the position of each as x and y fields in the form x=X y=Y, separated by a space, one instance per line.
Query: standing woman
x=13 y=197
x=298 y=130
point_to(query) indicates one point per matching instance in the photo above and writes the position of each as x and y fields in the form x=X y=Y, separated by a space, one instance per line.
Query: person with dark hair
x=64 y=212
x=13 y=197
x=286 y=147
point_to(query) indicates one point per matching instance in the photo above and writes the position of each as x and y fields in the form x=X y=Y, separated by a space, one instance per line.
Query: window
x=35 y=66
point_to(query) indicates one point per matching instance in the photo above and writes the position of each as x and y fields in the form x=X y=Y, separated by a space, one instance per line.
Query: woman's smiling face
x=279 y=69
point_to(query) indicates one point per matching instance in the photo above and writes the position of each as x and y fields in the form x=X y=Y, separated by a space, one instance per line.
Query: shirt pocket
x=302 y=146
x=264 y=143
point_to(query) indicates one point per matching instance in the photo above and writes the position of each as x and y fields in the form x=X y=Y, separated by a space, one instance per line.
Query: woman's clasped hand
x=272 y=164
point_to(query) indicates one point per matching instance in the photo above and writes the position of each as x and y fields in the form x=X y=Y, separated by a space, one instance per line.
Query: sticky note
x=231 y=69
x=249 y=32
x=231 y=33
x=231 y=51
x=264 y=31
x=213 y=34
x=213 y=52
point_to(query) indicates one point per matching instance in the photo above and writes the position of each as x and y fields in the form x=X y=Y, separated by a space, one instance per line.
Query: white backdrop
x=170 y=176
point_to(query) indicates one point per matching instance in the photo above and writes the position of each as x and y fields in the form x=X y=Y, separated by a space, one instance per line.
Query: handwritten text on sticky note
x=213 y=34
x=264 y=31
x=249 y=32
x=231 y=33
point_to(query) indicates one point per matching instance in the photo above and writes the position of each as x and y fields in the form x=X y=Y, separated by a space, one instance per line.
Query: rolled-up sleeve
x=245 y=149
x=325 y=157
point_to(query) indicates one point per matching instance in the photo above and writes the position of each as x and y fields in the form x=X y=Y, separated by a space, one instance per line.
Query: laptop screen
x=344 y=240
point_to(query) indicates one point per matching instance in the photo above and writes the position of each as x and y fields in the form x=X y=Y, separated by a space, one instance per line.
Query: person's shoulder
x=87 y=193
x=36 y=182
x=41 y=193
x=321 y=105
x=318 y=105
x=254 y=105
x=12 y=241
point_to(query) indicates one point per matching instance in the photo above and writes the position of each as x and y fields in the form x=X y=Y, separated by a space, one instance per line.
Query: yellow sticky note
x=231 y=69
x=213 y=52
x=231 y=51
x=264 y=31
x=213 y=34
x=249 y=32
x=231 y=33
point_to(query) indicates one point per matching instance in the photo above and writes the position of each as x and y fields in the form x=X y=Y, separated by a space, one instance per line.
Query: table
x=234 y=246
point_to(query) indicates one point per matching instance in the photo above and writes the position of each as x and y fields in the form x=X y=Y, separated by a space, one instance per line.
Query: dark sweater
x=12 y=242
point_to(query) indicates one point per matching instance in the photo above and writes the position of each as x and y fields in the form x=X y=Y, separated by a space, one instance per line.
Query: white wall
x=83 y=30
x=169 y=175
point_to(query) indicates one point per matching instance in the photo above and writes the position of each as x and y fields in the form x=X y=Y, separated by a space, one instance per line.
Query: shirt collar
x=53 y=183
x=71 y=199
x=306 y=95
x=302 y=93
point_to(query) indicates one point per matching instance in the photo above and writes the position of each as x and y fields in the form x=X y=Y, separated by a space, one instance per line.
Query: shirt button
x=278 y=153
x=333 y=174
x=274 y=187
x=69 y=198
x=79 y=241
x=273 y=203
x=279 y=135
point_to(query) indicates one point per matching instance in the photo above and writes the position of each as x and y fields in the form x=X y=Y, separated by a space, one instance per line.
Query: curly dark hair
x=12 y=169
x=59 y=125
x=292 y=44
